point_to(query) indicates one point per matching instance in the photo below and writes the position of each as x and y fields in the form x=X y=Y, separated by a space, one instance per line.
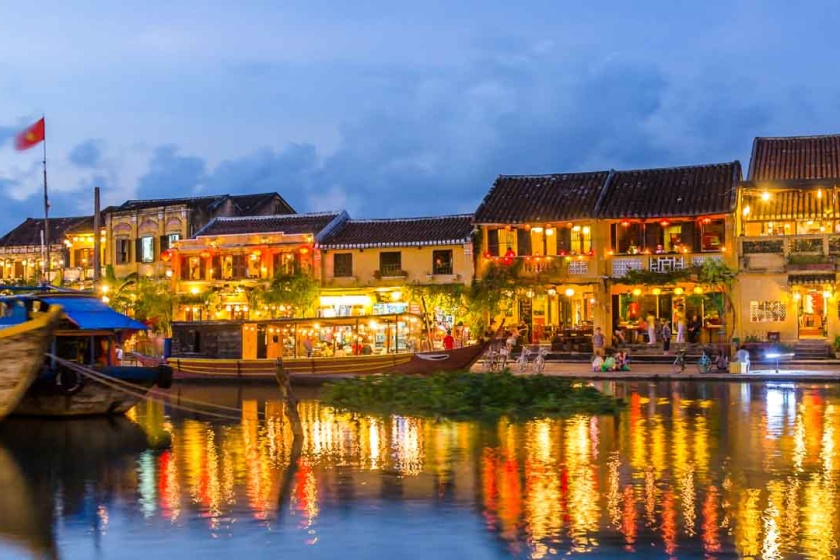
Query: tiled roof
x=290 y=224
x=795 y=157
x=29 y=232
x=401 y=232
x=520 y=199
x=672 y=191
x=201 y=201
x=791 y=205
x=248 y=204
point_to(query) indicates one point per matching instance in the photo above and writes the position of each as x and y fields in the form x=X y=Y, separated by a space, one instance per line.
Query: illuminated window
x=442 y=262
x=767 y=311
x=147 y=249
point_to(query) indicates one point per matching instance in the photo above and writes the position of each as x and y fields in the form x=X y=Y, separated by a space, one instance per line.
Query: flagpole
x=46 y=208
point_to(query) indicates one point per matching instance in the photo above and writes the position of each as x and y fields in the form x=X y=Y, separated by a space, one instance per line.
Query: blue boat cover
x=90 y=313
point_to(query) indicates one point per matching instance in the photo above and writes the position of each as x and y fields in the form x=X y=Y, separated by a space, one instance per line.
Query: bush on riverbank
x=464 y=394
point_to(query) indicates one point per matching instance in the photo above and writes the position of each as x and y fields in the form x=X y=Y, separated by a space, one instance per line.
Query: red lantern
x=166 y=256
x=304 y=250
x=664 y=223
x=205 y=254
x=625 y=223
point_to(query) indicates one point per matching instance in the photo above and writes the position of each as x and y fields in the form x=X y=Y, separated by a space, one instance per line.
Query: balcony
x=619 y=266
x=555 y=268
x=790 y=253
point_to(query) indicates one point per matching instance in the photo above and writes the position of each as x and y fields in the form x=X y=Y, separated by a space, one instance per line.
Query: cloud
x=86 y=155
x=6 y=135
x=171 y=175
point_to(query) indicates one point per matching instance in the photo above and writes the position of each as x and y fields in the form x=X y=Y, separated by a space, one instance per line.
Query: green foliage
x=492 y=294
x=650 y=278
x=155 y=304
x=804 y=258
x=469 y=395
x=298 y=290
x=836 y=343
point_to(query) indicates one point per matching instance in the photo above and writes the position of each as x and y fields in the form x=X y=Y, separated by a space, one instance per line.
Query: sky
x=394 y=109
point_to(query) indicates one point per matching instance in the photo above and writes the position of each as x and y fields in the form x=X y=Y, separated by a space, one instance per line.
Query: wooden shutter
x=240 y=267
x=138 y=249
x=185 y=268
x=523 y=242
x=216 y=263
x=564 y=240
x=493 y=242
x=164 y=243
x=689 y=237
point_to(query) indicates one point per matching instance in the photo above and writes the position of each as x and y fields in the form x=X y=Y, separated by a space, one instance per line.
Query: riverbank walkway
x=814 y=372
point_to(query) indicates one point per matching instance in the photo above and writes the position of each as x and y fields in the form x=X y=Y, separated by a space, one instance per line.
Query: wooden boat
x=408 y=363
x=82 y=376
x=22 y=348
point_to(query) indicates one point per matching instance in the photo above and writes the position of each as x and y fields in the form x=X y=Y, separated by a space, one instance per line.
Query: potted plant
x=836 y=346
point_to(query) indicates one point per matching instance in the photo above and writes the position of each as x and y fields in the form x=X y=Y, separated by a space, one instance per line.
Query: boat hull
x=22 y=348
x=420 y=363
x=86 y=396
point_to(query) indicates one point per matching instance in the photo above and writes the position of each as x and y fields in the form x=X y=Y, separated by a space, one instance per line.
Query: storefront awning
x=90 y=313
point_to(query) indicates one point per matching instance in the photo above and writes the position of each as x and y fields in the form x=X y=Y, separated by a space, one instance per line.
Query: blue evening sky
x=394 y=108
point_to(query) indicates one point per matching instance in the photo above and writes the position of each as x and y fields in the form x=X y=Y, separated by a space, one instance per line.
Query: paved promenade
x=661 y=372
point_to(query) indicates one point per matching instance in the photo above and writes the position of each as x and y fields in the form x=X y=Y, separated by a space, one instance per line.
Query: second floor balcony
x=619 y=266
x=789 y=253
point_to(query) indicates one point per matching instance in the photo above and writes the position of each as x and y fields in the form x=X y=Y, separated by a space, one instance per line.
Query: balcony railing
x=790 y=252
x=620 y=266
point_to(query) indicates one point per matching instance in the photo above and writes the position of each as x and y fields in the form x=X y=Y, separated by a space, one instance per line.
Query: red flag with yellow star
x=32 y=136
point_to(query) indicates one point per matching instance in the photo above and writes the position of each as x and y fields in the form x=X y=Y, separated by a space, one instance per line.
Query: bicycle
x=704 y=363
x=495 y=358
x=537 y=365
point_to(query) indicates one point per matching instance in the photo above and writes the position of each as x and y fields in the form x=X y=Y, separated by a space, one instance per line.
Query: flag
x=32 y=136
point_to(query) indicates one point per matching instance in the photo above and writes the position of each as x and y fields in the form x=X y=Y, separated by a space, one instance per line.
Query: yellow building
x=23 y=255
x=384 y=267
x=789 y=244
x=232 y=256
x=139 y=232
x=661 y=222
x=79 y=241
x=542 y=229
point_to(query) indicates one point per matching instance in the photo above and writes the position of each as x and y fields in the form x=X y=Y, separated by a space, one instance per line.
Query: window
x=167 y=241
x=147 y=249
x=174 y=238
x=581 y=240
x=342 y=265
x=123 y=251
x=442 y=262
x=712 y=236
x=767 y=311
x=390 y=263
x=286 y=263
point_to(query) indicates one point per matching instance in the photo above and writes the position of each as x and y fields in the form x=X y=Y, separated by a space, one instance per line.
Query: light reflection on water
x=687 y=470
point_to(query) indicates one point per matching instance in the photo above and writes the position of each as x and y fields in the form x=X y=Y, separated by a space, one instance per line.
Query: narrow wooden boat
x=408 y=363
x=84 y=340
x=22 y=348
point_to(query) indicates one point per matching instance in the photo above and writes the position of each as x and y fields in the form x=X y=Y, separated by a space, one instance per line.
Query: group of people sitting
x=617 y=361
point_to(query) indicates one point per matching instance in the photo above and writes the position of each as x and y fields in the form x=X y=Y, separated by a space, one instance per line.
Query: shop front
x=690 y=307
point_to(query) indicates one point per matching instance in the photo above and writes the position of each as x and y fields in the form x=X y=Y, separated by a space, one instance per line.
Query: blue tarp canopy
x=90 y=313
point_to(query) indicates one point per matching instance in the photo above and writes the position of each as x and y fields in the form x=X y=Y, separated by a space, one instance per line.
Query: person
x=307 y=345
x=743 y=356
x=679 y=321
x=651 y=328
x=510 y=340
x=618 y=337
x=694 y=329
x=448 y=341
x=599 y=342
x=722 y=362
x=621 y=361
x=609 y=364
x=522 y=332
x=597 y=363
x=119 y=353
x=666 y=336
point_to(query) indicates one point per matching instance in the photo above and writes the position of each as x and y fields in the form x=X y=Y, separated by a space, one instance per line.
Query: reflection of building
x=140 y=232
x=789 y=214
x=22 y=254
x=666 y=221
x=542 y=228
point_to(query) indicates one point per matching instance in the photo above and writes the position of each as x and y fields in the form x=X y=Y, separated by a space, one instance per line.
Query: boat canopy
x=89 y=313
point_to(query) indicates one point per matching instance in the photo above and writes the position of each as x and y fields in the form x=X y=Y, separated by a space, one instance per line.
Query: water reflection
x=702 y=469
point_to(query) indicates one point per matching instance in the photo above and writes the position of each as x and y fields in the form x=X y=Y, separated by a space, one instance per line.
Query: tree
x=297 y=290
x=155 y=304
x=492 y=294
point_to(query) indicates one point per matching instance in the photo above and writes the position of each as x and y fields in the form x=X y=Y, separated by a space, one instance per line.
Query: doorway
x=811 y=314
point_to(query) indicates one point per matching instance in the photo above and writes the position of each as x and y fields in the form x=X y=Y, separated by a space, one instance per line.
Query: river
x=688 y=470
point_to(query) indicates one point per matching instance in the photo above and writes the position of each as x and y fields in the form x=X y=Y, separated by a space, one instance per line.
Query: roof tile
x=401 y=232
x=29 y=232
x=672 y=191
x=290 y=224
x=520 y=199
x=795 y=157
